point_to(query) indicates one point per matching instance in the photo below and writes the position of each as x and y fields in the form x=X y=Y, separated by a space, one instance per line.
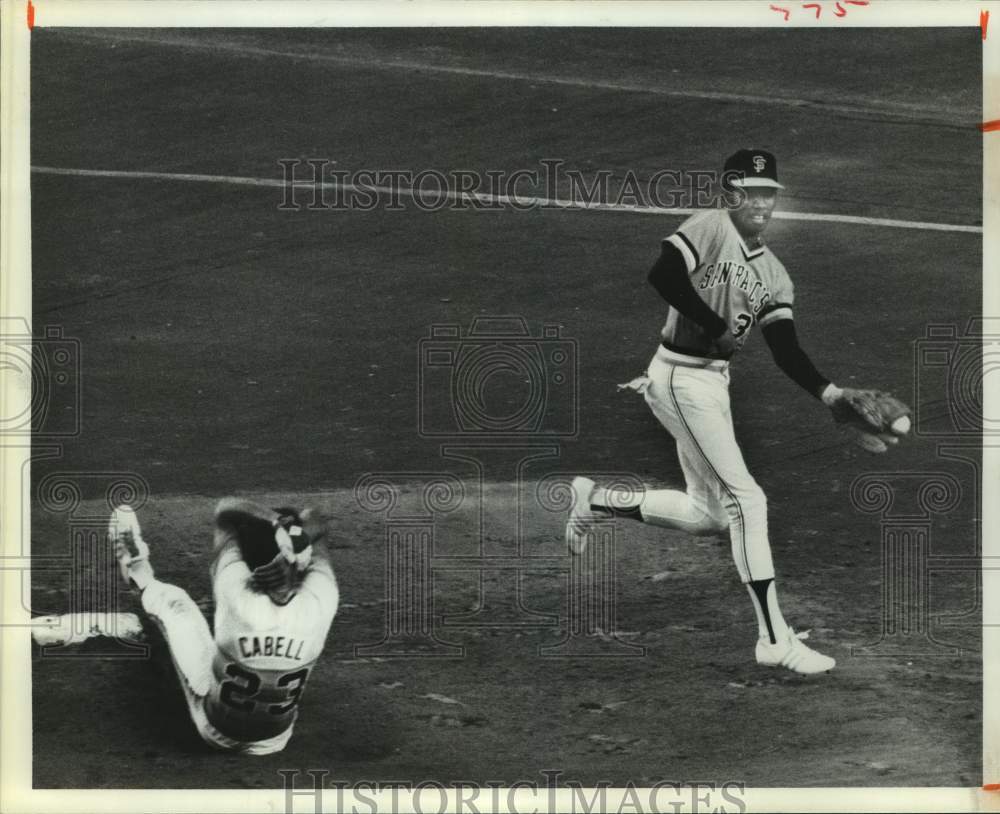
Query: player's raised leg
x=696 y=510
x=183 y=625
x=131 y=550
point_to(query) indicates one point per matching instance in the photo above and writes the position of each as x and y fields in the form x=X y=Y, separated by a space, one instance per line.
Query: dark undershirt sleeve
x=669 y=276
x=789 y=356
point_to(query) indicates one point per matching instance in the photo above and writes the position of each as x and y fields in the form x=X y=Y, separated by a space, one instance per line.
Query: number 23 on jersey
x=242 y=691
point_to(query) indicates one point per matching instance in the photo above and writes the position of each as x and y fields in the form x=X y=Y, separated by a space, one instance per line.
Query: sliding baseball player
x=275 y=599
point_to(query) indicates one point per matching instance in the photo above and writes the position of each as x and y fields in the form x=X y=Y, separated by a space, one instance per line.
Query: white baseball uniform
x=718 y=286
x=243 y=686
x=688 y=389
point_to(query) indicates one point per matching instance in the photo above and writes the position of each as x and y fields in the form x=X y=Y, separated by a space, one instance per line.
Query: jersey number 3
x=239 y=690
x=743 y=323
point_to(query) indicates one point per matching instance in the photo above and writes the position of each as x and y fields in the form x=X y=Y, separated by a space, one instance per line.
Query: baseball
x=901 y=426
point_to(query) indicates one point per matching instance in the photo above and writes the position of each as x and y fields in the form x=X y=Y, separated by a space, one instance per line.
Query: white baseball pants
x=690 y=397
x=192 y=649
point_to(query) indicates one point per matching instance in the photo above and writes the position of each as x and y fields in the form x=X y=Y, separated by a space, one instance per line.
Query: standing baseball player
x=275 y=599
x=720 y=281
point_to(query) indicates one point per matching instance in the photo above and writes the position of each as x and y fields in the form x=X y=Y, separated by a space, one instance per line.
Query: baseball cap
x=757 y=168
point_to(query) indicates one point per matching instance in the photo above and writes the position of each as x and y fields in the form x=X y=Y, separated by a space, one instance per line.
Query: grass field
x=229 y=346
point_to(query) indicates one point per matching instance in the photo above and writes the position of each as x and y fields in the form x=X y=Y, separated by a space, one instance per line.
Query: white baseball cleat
x=581 y=519
x=793 y=654
x=131 y=550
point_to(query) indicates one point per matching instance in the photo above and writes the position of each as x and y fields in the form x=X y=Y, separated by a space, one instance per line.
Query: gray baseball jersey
x=742 y=285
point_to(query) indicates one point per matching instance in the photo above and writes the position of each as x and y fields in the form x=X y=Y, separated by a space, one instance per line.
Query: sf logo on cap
x=759 y=162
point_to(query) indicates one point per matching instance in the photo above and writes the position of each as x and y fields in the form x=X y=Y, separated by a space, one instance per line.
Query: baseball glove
x=877 y=418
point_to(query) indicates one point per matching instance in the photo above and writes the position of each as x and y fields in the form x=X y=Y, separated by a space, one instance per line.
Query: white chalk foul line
x=526 y=202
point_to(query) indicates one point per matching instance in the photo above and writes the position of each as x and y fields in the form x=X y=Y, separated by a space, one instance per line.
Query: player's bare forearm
x=793 y=361
x=670 y=278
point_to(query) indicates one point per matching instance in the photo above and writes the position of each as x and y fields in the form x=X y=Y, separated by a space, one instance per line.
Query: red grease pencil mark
x=31 y=16
x=984 y=21
x=991 y=787
x=817 y=8
x=989 y=127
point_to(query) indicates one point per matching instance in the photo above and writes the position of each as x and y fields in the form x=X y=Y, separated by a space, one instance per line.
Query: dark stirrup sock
x=760 y=588
x=627 y=512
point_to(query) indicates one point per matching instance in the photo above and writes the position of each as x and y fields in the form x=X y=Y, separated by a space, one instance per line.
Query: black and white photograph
x=498 y=406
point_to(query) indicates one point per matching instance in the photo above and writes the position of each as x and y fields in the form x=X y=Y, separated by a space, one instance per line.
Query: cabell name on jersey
x=279 y=646
x=721 y=273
